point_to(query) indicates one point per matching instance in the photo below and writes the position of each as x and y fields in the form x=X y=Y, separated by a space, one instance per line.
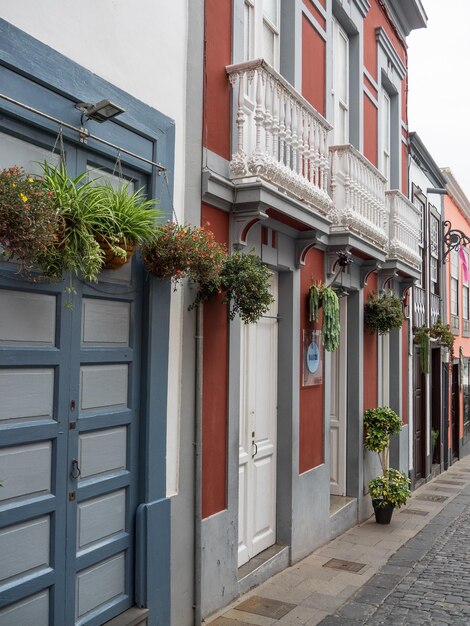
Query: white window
x=465 y=291
x=454 y=282
x=422 y=207
x=261 y=31
x=340 y=84
x=434 y=250
x=385 y=136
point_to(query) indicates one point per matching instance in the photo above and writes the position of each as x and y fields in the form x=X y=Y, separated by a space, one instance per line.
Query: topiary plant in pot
x=383 y=313
x=391 y=489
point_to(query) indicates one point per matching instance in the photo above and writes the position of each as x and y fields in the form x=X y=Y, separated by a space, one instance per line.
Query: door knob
x=253 y=445
x=75 y=471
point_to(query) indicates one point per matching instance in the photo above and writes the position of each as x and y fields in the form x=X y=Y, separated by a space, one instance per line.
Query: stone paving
x=415 y=571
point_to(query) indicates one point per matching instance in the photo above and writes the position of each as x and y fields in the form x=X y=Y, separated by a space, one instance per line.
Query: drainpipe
x=198 y=468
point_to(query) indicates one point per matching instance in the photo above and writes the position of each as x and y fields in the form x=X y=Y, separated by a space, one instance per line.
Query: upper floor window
x=465 y=291
x=434 y=253
x=340 y=84
x=261 y=31
x=385 y=136
x=454 y=282
x=418 y=202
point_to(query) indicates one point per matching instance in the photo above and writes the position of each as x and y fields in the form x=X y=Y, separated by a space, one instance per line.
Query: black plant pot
x=383 y=514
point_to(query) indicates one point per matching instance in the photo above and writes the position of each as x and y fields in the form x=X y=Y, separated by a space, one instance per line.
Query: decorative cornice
x=456 y=191
x=390 y=52
x=408 y=15
x=424 y=160
x=363 y=6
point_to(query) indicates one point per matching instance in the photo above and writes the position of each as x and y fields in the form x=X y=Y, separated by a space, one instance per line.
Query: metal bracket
x=452 y=239
x=243 y=221
x=368 y=268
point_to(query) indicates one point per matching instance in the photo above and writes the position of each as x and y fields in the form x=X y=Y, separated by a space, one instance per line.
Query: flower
x=23 y=197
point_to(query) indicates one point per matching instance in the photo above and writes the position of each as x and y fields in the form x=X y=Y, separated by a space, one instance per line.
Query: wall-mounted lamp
x=101 y=111
x=453 y=239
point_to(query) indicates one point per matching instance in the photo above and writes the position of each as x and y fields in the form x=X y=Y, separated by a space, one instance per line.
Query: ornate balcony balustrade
x=358 y=193
x=405 y=229
x=435 y=304
x=419 y=307
x=280 y=136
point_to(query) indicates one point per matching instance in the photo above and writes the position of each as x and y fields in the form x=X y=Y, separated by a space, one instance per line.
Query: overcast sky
x=439 y=85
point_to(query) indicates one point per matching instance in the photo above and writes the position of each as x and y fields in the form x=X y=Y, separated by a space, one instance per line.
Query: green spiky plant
x=321 y=295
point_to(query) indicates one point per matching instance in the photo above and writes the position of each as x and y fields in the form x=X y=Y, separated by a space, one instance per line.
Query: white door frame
x=338 y=408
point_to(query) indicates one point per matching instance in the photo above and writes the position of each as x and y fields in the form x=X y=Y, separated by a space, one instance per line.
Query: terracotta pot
x=383 y=514
x=110 y=260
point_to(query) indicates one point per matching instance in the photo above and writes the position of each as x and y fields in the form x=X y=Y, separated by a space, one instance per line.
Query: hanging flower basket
x=183 y=251
x=383 y=313
x=28 y=218
x=113 y=259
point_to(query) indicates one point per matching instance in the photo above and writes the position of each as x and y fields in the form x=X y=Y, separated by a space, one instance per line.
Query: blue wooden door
x=69 y=439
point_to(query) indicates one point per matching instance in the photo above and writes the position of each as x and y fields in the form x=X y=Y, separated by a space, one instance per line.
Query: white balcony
x=280 y=137
x=358 y=193
x=405 y=229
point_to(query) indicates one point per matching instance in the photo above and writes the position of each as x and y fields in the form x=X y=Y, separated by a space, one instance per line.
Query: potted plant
x=422 y=339
x=323 y=296
x=434 y=438
x=443 y=334
x=130 y=221
x=28 y=217
x=177 y=251
x=391 y=489
x=245 y=281
x=383 y=312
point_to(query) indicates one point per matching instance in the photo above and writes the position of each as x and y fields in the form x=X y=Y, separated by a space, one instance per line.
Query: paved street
x=415 y=571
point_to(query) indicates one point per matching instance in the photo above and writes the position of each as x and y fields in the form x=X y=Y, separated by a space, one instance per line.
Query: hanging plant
x=443 y=334
x=383 y=313
x=130 y=221
x=323 y=296
x=179 y=251
x=245 y=280
x=423 y=340
x=28 y=217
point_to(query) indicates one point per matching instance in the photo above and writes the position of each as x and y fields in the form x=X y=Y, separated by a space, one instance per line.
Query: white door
x=338 y=409
x=258 y=425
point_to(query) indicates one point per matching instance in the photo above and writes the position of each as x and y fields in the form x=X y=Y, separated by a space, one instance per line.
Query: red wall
x=218 y=43
x=370 y=131
x=375 y=18
x=215 y=385
x=370 y=382
x=404 y=372
x=313 y=66
x=315 y=12
x=311 y=431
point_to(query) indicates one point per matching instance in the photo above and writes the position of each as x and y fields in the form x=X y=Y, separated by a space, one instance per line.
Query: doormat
x=265 y=607
x=415 y=512
x=432 y=498
x=346 y=566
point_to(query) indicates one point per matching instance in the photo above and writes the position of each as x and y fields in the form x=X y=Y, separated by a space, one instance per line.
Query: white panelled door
x=338 y=409
x=258 y=426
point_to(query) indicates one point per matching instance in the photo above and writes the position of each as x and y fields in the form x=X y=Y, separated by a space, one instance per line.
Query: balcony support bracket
x=243 y=221
x=306 y=243
x=368 y=268
x=385 y=278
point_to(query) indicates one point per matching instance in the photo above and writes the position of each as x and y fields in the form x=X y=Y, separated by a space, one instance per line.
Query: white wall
x=139 y=46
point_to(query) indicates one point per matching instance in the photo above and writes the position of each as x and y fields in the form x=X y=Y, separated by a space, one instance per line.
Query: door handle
x=253 y=454
x=75 y=471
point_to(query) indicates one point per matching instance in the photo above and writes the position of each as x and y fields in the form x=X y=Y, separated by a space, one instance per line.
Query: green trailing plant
x=383 y=312
x=28 y=217
x=245 y=280
x=423 y=340
x=80 y=215
x=323 y=296
x=392 y=487
x=443 y=334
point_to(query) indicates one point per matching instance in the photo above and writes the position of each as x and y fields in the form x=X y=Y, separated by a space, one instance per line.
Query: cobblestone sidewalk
x=415 y=571
x=427 y=582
